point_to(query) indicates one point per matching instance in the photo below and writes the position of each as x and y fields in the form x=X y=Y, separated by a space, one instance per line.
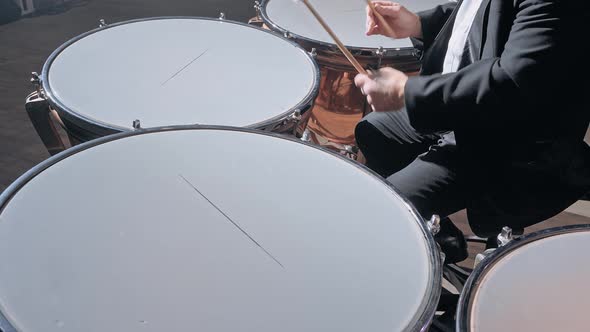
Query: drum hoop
x=81 y=120
x=422 y=319
x=324 y=46
x=465 y=305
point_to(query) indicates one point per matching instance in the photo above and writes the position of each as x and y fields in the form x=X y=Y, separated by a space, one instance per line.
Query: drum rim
x=321 y=45
x=82 y=120
x=421 y=320
x=465 y=304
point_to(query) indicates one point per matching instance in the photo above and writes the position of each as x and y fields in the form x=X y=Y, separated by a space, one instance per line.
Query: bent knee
x=363 y=132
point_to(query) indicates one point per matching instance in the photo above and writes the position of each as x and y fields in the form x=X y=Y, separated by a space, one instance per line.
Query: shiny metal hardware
x=380 y=53
x=443 y=256
x=505 y=236
x=222 y=16
x=351 y=149
x=36 y=81
x=433 y=224
x=257 y=7
x=102 y=23
x=481 y=256
x=313 y=53
x=306 y=136
x=502 y=239
x=296 y=116
x=136 y=124
x=287 y=35
x=417 y=54
x=258 y=18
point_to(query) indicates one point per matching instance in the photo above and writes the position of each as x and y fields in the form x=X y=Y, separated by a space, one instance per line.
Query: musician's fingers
x=370 y=21
x=373 y=26
x=369 y=87
x=374 y=30
x=384 y=3
x=372 y=74
x=376 y=104
x=360 y=80
x=366 y=85
x=388 y=11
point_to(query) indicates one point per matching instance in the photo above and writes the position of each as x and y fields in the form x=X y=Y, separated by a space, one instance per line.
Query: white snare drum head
x=346 y=17
x=181 y=71
x=120 y=237
x=542 y=286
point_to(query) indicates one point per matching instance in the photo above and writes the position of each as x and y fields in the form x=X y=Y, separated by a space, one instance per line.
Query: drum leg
x=257 y=20
x=456 y=275
x=40 y=115
x=446 y=309
x=74 y=140
x=443 y=323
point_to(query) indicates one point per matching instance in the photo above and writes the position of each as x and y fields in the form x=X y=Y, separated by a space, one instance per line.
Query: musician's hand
x=384 y=89
x=403 y=22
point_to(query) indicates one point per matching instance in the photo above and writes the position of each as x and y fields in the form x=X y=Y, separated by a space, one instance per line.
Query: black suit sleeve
x=433 y=20
x=523 y=73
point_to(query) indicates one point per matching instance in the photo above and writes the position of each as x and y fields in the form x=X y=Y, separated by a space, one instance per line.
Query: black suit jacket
x=519 y=110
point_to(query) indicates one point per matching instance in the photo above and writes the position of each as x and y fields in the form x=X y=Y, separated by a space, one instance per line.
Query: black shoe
x=452 y=242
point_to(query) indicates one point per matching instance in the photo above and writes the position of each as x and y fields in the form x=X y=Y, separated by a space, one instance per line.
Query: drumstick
x=341 y=46
x=382 y=22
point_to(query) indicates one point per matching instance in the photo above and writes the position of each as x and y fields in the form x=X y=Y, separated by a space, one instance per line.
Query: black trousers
x=429 y=170
x=424 y=167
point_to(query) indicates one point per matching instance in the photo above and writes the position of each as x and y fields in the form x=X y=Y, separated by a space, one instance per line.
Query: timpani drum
x=535 y=283
x=177 y=71
x=340 y=105
x=132 y=232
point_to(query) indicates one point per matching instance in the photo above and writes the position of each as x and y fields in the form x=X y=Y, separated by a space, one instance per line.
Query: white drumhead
x=346 y=17
x=181 y=71
x=116 y=238
x=542 y=286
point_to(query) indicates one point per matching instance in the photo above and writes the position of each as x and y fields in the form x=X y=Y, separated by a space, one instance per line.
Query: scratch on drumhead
x=185 y=67
x=231 y=220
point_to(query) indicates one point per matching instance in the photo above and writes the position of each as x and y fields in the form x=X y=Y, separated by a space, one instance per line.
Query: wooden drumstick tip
x=382 y=22
x=340 y=45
